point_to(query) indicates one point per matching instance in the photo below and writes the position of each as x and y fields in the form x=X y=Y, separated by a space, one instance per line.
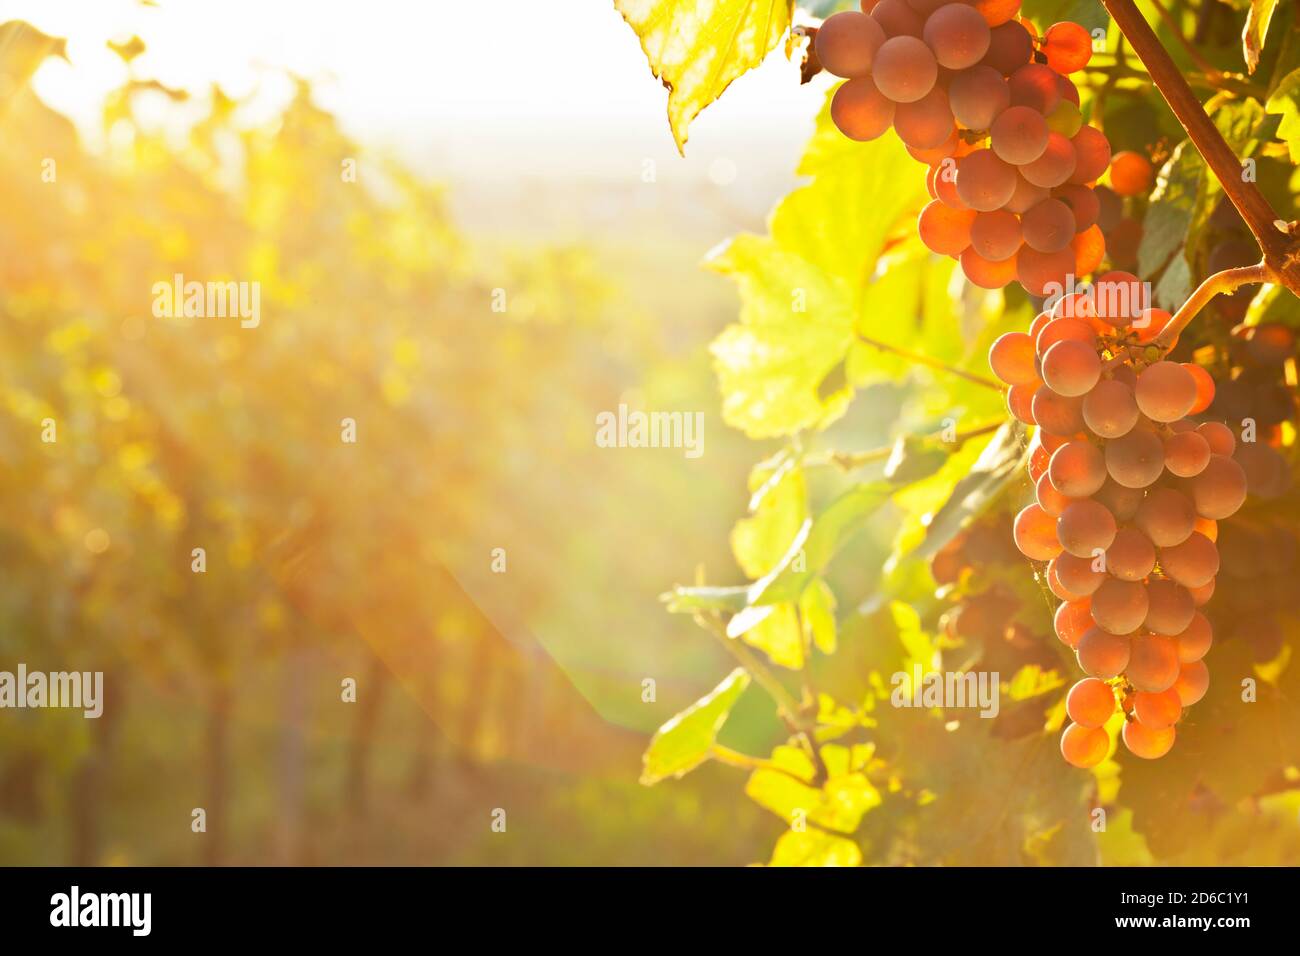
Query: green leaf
x=774 y=630
x=760 y=541
x=998 y=464
x=1089 y=14
x=683 y=743
x=839 y=805
x=814 y=847
x=803 y=285
x=1285 y=102
x=1252 y=37
x=817 y=612
x=1173 y=205
x=697 y=47
x=830 y=531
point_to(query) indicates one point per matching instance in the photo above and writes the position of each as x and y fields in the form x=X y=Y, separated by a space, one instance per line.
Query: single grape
x=1089 y=248
x=1136 y=459
x=1122 y=502
x=996 y=12
x=1025 y=196
x=897 y=19
x=1019 y=135
x=935 y=155
x=1219 y=436
x=995 y=235
x=925 y=123
x=860 y=111
x=1065 y=118
x=1270 y=343
x=1157 y=711
x=1085 y=528
x=1043 y=272
x=1102 y=655
x=1191 y=563
x=1055 y=164
x=1071 y=368
x=1186 y=454
x=1020 y=400
x=905 y=69
x=1034 y=532
x=1077 y=470
x=1204 y=385
x=1049 y=226
x=1077 y=575
x=1120 y=297
x=1071 y=621
x=1010 y=48
x=1220 y=489
x=1109 y=410
x=1034 y=85
x=847 y=42
x=977 y=96
x=1119 y=607
x=1048 y=498
x=1090 y=702
x=985 y=182
x=1011 y=357
x=1195 y=640
x=1057 y=414
x=1130 y=174
x=1165 y=391
x=986 y=273
x=1201 y=596
x=946 y=230
x=1084 y=747
x=1063 y=329
x=1091 y=157
x=1068 y=47
x=1147 y=742
x=1082 y=202
x=1166 y=516
x=1193 y=681
x=1153 y=663
x=958 y=35
x=1131 y=555
x=1169 y=607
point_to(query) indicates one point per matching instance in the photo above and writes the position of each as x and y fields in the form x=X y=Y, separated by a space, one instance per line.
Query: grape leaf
x=817 y=612
x=1252 y=37
x=762 y=539
x=683 y=743
x=1285 y=101
x=998 y=464
x=696 y=48
x=813 y=847
x=803 y=286
x=1089 y=14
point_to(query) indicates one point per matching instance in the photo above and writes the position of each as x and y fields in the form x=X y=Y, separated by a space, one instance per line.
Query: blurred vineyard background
x=325 y=560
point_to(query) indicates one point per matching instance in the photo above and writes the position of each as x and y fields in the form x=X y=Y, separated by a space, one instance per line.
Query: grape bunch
x=980 y=98
x=1129 y=491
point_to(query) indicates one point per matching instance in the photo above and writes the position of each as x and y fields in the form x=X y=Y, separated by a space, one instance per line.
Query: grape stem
x=1277 y=239
x=931 y=362
x=853 y=460
x=1229 y=280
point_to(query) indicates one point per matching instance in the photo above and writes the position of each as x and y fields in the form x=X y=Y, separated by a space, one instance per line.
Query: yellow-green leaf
x=814 y=847
x=803 y=286
x=817 y=610
x=1252 y=37
x=683 y=743
x=697 y=47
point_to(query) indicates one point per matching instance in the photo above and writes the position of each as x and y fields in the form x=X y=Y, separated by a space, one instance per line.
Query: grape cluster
x=987 y=104
x=1129 y=491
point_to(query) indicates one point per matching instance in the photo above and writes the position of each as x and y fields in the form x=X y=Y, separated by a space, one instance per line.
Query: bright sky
x=516 y=86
